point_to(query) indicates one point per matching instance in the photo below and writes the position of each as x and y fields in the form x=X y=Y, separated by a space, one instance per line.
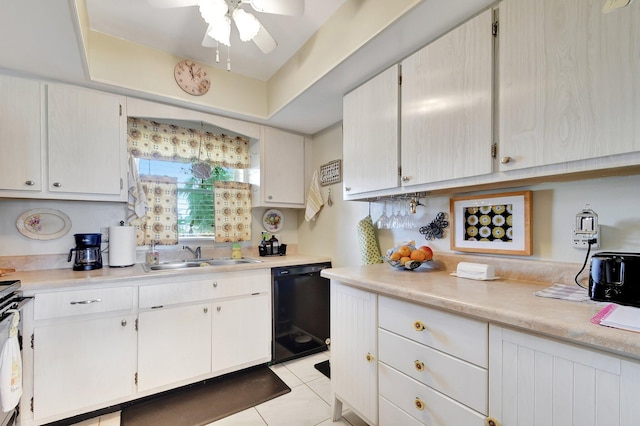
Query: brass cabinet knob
x=419 y=404
x=218 y=308
x=123 y=323
x=369 y=358
x=57 y=184
x=419 y=365
x=491 y=421
x=505 y=160
x=29 y=183
x=215 y=284
x=206 y=310
x=419 y=326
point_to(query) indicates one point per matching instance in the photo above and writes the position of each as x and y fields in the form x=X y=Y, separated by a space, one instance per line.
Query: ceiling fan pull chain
x=217 y=52
x=228 y=58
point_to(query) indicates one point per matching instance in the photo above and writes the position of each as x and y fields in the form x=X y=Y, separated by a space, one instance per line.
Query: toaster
x=615 y=277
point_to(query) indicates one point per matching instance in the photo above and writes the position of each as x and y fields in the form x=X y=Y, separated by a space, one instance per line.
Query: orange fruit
x=404 y=260
x=418 y=255
x=395 y=256
x=404 y=251
x=427 y=251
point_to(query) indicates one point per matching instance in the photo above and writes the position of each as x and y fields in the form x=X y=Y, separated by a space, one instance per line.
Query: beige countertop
x=52 y=279
x=503 y=302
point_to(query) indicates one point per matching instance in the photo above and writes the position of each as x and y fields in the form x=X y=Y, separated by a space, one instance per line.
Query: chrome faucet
x=197 y=252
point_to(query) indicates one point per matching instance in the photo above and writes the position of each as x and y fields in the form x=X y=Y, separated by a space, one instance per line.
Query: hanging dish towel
x=11 y=367
x=137 y=205
x=369 y=249
x=314 y=199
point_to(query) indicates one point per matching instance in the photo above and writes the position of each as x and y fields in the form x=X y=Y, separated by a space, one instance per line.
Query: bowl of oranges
x=408 y=256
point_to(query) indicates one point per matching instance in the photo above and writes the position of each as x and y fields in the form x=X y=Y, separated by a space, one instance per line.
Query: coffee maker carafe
x=88 y=254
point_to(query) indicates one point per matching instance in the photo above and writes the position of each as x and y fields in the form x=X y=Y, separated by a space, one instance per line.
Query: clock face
x=192 y=78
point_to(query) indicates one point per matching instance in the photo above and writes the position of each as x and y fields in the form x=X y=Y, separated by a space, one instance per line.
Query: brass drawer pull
x=369 y=358
x=419 y=326
x=419 y=404
x=419 y=365
x=491 y=421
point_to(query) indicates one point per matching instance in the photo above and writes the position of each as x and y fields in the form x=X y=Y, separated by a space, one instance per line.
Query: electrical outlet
x=105 y=234
x=581 y=240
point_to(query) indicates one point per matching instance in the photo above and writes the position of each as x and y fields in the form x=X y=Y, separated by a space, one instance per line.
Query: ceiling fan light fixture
x=248 y=25
x=212 y=10
x=220 y=30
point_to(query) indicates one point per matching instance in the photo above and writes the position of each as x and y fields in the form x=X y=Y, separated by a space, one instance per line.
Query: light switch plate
x=611 y=5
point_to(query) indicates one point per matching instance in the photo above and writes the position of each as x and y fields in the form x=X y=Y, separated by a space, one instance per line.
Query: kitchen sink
x=198 y=263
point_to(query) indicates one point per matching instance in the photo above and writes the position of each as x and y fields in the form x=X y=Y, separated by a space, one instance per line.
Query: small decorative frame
x=331 y=172
x=494 y=223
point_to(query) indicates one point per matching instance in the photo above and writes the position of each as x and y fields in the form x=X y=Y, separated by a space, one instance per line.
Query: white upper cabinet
x=569 y=81
x=20 y=134
x=86 y=137
x=280 y=159
x=370 y=135
x=65 y=142
x=446 y=107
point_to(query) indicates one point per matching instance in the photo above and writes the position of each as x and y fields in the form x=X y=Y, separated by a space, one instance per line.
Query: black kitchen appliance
x=300 y=311
x=88 y=254
x=615 y=277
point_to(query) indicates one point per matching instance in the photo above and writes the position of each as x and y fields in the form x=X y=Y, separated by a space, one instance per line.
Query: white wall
x=555 y=206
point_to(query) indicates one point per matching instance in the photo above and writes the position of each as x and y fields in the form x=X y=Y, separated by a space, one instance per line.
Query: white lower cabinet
x=353 y=352
x=82 y=365
x=538 y=380
x=432 y=365
x=241 y=332
x=94 y=346
x=174 y=345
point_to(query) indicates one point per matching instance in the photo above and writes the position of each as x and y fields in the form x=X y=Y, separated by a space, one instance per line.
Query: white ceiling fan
x=219 y=14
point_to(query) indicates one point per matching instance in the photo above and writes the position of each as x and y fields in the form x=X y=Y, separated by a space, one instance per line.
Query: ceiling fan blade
x=165 y=4
x=279 y=7
x=264 y=41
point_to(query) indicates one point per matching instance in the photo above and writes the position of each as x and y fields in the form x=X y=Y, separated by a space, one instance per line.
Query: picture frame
x=492 y=223
x=331 y=173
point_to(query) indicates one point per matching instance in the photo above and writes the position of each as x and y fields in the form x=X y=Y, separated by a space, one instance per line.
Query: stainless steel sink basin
x=198 y=263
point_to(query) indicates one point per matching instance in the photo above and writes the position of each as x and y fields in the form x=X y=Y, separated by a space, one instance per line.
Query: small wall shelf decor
x=331 y=172
x=493 y=223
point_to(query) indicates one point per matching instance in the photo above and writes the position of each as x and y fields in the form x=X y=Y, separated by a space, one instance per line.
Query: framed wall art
x=493 y=223
x=331 y=173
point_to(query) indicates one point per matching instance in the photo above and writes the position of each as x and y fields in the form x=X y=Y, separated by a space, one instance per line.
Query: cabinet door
x=568 y=78
x=447 y=106
x=353 y=351
x=370 y=135
x=83 y=365
x=86 y=142
x=20 y=134
x=535 y=380
x=241 y=332
x=174 y=345
x=282 y=168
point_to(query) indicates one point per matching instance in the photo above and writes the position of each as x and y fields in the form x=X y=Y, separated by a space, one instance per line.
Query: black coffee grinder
x=88 y=254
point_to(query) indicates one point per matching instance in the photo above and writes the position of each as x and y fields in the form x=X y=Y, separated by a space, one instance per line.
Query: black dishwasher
x=300 y=311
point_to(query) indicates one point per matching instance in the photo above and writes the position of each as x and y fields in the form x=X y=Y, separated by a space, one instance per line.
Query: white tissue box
x=475 y=271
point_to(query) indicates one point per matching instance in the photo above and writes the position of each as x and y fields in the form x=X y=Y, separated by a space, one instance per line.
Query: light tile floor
x=308 y=403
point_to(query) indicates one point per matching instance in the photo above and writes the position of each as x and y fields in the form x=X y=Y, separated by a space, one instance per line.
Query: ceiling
x=179 y=31
x=41 y=39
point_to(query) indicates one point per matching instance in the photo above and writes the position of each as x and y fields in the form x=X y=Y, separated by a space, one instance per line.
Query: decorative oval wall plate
x=273 y=220
x=43 y=224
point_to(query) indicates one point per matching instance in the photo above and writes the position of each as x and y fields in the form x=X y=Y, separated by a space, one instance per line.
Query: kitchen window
x=193 y=183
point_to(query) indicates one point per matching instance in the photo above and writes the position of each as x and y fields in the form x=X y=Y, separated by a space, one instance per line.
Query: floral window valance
x=160 y=141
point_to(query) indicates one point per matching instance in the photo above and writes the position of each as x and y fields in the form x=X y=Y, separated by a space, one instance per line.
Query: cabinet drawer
x=81 y=302
x=459 y=336
x=410 y=396
x=389 y=414
x=462 y=381
x=215 y=286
